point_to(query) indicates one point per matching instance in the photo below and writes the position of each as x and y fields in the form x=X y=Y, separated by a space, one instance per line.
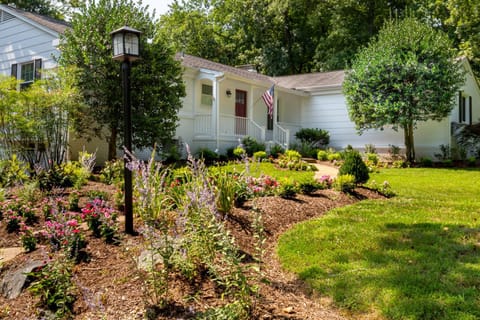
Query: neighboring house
x=223 y=104
x=28 y=44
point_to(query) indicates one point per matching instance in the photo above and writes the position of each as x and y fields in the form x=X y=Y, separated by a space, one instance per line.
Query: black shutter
x=37 y=68
x=14 y=70
x=470 y=109
x=460 y=107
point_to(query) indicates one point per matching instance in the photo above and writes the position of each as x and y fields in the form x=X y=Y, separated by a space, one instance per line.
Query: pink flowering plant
x=29 y=241
x=63 y=231
x=13 y=220
x=15 y=211
x=262 y=186
x=101 y=219
x=326 y=181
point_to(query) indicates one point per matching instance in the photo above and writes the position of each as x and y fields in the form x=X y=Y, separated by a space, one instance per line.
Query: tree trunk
x=409 y=142
x=112 y=144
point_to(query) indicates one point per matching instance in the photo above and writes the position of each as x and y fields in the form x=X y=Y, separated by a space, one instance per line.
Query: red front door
x=240 y=112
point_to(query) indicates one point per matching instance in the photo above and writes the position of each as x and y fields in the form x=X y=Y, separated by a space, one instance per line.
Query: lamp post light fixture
x=126 y=48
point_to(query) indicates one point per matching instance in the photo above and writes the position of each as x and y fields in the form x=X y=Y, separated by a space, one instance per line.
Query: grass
x=258 y=168
x=415 y=256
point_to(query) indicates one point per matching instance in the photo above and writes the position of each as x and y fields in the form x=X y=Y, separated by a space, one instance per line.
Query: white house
x=224 y=104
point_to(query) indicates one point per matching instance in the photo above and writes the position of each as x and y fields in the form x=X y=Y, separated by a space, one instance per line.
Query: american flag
x=268 y=99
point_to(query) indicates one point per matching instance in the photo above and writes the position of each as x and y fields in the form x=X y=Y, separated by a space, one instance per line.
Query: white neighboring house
x=223 y=104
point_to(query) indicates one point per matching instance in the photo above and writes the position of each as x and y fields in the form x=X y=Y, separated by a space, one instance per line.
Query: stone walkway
x=325 y=170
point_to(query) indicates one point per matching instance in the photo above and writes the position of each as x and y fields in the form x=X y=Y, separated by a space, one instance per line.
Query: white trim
x=29 y=21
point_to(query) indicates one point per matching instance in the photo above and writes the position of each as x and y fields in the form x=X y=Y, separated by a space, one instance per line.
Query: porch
x=233 y=128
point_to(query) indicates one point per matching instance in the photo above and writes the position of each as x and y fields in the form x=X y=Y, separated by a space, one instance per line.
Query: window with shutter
x=27 y=72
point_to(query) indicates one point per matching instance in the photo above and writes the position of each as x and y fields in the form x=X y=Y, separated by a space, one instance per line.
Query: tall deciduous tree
x=55 y=9
x=156 y=83
x=408 y=74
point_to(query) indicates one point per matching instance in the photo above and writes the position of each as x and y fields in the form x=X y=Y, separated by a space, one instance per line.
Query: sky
x=160 y=6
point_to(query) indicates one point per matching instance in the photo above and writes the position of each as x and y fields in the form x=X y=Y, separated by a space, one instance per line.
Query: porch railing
x=238 y=127
x=281 y=136
x=203 y=125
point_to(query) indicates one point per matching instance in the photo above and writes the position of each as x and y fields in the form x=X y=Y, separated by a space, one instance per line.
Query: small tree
x=408 y=74
x=34 y=122
x=354 y=166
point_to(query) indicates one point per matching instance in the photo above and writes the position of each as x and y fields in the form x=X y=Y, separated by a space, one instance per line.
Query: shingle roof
x=303 y=82
x=53 y=24
x=200 y=63
x=311 y=81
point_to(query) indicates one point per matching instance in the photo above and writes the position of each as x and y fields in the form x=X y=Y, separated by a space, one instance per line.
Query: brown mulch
x=110 y=287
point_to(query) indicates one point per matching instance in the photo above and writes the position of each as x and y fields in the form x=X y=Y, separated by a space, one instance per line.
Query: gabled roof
x=50 y=23
x=312 y=81
x=200 y=63
x=302 y=82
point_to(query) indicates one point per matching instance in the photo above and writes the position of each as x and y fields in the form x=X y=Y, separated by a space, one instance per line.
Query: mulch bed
x=111 y=288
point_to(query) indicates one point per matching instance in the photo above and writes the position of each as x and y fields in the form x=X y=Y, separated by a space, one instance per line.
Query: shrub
x=317 y=138
x=306 y=149
x=259 y=156
x=394 y=152
x=445 y=152
x=426 y=162
x=334 y=156
x=13 y=171
x=372 y=159
x=292 y=161
x=471 y=161
x=355 y=166
x=322 y=155
x=112 y=172
x=239 y=152
x=207 y=155
x=251 y=146
x=293 y=155
x=384 y=189
x=309 y=186
x=276 y=150
x=344 y=183
x=288 y=189
x=370 y=148
x=399 y=164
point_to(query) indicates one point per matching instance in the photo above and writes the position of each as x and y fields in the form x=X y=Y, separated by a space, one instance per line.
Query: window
x=470 y=110
x=27 y=72
x=207 y=94
x=464 y=113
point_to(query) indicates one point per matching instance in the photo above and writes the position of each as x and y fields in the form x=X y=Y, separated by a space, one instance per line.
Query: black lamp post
x=126 y=48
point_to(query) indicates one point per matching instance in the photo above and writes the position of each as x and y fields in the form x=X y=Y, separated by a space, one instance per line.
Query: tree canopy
x=55 y=9
x=300 y=36
x=156 y=78
x=408 y=74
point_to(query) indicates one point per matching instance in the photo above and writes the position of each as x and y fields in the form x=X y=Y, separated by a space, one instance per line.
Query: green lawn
x=256 y=169
x=415 y=256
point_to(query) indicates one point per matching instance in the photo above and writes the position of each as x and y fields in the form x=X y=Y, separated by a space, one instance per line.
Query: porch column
x=216 y=109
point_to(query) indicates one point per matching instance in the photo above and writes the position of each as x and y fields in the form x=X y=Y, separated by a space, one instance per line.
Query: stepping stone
x=7 y=254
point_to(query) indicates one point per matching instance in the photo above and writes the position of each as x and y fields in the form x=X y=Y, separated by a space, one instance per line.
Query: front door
x=240 y=112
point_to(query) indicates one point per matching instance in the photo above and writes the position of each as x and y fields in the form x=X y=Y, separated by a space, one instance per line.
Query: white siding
x=329 y=112
x=21 y=42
